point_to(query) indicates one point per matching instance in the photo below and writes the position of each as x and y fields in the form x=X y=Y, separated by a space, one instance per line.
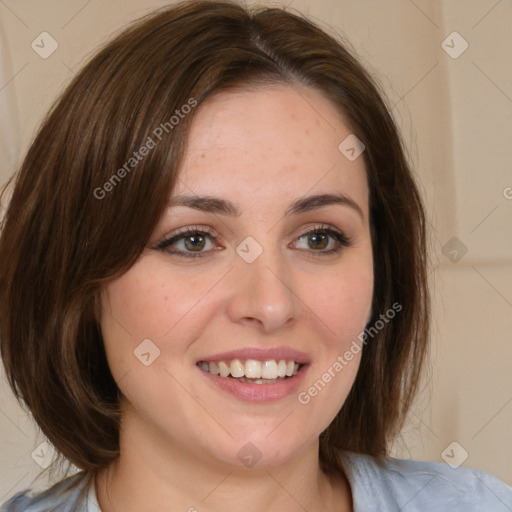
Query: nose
x=262 y=293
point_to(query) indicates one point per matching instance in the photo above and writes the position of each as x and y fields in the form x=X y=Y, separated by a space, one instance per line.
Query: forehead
x=269 y=144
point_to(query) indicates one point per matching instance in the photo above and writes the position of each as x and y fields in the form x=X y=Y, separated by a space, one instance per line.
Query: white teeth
x=223 y=369
x=281 y=368
x=251 y=370
x=237 y=368
x=269 y=370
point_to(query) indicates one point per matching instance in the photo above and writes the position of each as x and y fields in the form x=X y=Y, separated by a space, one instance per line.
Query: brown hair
x=61 y=242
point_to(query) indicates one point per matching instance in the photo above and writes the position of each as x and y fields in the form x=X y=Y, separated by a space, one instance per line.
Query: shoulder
x=68 y=495
x=387 y=484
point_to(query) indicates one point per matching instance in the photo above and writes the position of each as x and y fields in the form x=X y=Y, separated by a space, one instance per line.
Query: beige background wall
x=456 y=116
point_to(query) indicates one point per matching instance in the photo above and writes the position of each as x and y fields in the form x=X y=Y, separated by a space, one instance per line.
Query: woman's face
x=268 y=274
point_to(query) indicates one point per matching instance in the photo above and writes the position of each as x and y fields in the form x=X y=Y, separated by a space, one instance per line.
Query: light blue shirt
x=394 y=485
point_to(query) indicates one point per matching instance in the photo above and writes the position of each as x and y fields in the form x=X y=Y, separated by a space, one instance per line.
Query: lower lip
x=258 y=392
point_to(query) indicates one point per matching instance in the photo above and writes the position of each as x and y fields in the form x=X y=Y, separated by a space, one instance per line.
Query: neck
x=156 y=474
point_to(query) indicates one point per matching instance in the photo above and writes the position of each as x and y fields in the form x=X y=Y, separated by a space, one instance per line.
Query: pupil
x=197 y=242
x=319 y=237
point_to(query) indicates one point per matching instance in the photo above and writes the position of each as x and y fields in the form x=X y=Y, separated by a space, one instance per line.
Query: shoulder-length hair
x=76 y=220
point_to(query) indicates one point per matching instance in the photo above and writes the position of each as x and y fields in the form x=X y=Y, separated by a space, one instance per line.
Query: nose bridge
x=263 y=288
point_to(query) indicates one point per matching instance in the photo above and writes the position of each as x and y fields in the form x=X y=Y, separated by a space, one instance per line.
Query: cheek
x=342 y=302
x=341 y=315
x=148 y=302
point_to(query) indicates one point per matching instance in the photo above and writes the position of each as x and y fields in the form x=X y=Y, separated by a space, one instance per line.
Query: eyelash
x=342 y=240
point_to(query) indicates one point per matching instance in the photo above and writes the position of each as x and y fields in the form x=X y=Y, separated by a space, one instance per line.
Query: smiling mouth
x=252 y=371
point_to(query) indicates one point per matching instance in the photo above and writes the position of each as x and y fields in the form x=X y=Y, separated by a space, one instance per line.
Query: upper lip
x=260 y=354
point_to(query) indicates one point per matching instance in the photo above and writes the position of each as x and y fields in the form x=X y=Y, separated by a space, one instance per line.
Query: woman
x=213 y=289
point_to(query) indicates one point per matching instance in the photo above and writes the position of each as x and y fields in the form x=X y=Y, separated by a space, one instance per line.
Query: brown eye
x=318 y=240
x=188 y=243
x=324 y=240
x=194 y=242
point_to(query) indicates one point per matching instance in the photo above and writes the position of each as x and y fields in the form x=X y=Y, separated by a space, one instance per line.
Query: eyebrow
x=210 y=204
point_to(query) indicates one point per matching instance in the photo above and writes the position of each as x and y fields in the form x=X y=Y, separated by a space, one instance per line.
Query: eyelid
x=322 y=227
x=185 y=230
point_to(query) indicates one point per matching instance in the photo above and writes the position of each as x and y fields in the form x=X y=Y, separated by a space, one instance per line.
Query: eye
x=188 y=242
x=324 y=240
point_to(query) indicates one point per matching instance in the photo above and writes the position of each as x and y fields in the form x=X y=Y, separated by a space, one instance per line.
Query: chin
x=270 y=446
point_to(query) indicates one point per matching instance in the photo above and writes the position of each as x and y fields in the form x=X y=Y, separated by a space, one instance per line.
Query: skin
x=262 y=149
